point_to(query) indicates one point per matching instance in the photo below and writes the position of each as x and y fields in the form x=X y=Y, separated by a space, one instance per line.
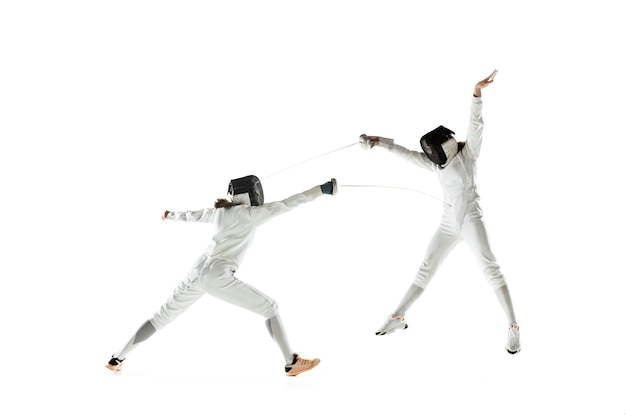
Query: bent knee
x=269 y=309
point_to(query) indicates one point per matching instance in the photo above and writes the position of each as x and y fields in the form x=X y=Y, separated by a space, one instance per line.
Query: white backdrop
x=114 y=111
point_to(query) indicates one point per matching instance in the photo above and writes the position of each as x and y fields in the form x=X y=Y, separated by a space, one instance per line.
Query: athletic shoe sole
x=391 y=331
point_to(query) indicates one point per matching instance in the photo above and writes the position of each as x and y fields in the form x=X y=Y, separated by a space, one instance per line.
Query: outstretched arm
x=372 y=141
x=262 y=214
x=201 y=216
x=484 y=83
x=415 y=157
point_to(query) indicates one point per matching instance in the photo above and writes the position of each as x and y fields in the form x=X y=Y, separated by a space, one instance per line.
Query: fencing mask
x=439 y=145
x=246 y=190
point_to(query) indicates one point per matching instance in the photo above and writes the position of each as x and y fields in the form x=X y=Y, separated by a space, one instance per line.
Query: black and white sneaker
x=115 y=364
x=392 y=324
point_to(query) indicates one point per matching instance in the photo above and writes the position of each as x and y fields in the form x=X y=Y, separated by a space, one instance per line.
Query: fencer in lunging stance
x=455 y=165
x=235 y=221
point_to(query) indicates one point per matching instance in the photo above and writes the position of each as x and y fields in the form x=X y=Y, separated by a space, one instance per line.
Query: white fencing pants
x=448 y=235
x=214 y=277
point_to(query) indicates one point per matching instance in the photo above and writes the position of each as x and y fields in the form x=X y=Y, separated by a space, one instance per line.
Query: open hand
x=484 y=83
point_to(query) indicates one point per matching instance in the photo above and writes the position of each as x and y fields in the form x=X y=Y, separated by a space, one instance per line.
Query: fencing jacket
x=458 y=176
x=236 y=226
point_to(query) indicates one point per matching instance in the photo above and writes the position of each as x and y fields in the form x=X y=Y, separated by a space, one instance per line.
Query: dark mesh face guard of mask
x=433 y=144
x=250 y=186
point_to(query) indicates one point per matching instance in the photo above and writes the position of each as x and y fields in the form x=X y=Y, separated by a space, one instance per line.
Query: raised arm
x=476 y=124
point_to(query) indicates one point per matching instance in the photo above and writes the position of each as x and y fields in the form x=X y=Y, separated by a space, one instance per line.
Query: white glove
x=366 y=141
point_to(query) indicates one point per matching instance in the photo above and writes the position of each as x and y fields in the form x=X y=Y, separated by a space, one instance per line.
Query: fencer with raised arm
x=454 y=163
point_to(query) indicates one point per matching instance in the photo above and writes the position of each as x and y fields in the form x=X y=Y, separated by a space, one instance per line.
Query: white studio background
x=112 y=112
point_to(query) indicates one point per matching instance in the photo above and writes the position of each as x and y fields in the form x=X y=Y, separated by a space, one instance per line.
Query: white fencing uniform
x=462 y=217
x=213 y=272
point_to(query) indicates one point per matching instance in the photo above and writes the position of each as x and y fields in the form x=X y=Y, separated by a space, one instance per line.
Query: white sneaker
x=513 y=345
x=392 y=324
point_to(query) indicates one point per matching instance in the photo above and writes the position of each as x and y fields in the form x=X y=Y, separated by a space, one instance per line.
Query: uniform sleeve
x=263 y=213
x=418 y=158
x=199 y=216
x=475 y=131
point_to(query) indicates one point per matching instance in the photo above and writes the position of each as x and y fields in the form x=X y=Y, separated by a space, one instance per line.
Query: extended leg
x=277 y=331
x=294 y=364
x=185 y=294
x=513 y=344
x=444 y=240
x=505 y=301
x=145 y=331
x=475 y=233
x=411 y=295
x=396 y=320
